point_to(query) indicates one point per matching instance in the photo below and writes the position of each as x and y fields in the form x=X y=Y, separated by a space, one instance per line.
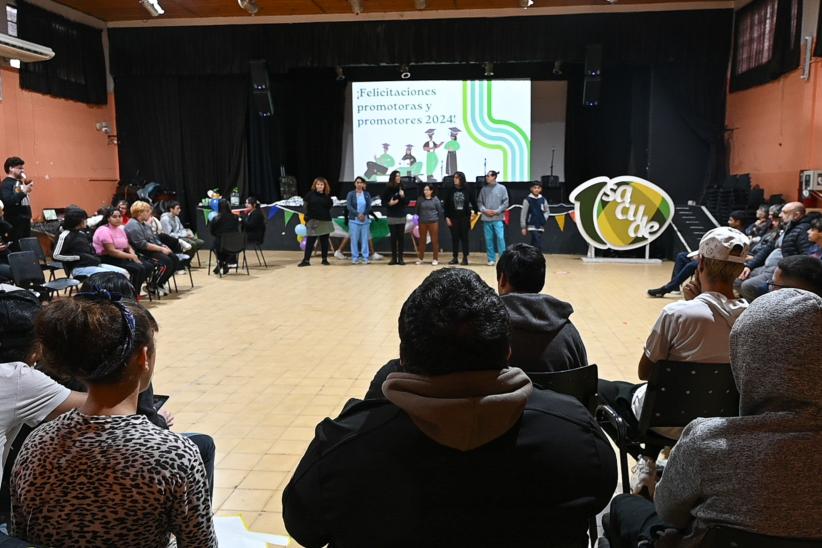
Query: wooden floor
x=256 y=361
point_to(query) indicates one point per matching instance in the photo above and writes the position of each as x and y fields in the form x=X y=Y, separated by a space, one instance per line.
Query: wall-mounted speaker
x=260 y=92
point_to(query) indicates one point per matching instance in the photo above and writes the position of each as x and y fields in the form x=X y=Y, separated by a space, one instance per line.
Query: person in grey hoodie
x=493 y=202
x=461 y=451
x=542 y=335
x=757 y=471
x=429 y=210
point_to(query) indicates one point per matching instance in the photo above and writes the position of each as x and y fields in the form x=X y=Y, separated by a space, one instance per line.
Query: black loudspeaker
x=480 y=179
x=260 y=92
x=593 y=74
x=448 y=180
x=590 y=92
x=550 y=181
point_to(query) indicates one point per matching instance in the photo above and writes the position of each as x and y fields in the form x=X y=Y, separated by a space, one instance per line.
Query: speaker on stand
x=260 y=88
x=593 y=75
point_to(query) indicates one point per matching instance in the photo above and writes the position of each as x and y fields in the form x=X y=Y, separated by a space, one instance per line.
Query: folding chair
x=33 y=244
x=231 y=242
x=27 y=274
x=677 y=393
x=185 y=262
x=258 y=252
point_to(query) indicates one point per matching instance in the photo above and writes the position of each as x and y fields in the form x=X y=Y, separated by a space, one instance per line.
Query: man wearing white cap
x=694 y=330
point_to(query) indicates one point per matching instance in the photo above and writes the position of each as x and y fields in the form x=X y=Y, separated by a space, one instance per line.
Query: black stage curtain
x=786 y=45
x=817 y=50
x=187 y=133
x=629 y=38
x=78 y=69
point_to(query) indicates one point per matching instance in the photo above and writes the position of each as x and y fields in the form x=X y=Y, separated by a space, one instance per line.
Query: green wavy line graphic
x=526 y=161
x=468 y=101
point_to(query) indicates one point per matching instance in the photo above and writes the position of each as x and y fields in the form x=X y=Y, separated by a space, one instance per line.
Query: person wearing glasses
x=493 y=202
x=800 y=272
x=110 y=242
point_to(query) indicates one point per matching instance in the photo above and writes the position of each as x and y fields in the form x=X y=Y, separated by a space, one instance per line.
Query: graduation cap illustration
x=430 y=132
x=455 y=130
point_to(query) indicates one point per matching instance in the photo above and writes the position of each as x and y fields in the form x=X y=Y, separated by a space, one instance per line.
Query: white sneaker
x=435 y=263
x=377 y=257
x=418 y=261
x=491 y=263
x=643 y=477
x=338 y=255
x=365 y=261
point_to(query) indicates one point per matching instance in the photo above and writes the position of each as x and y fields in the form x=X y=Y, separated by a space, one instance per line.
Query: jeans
x=536 y=238
x=92 y=270
x=205 y=445
x=684 y=268
x=359 y=232
x=494 y=233
x=757 y=285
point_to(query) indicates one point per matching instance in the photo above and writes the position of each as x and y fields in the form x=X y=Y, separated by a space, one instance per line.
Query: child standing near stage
x=429 y=209
x=532 y=218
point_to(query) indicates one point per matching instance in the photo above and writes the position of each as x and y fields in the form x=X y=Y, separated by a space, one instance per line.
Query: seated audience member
x=542 y=335
x=102 y=475
x=693 y=330
x=800 y=272
x=6 y=238
x=760 y=226
x=27 y=396
x=254 y=225
x=794 y=241
x=815 y=237
x=742 y=471
x=172 y=226
x=75 y=251
x=685 y=263
x=463 y=452
x=125 y=210
x=143 y=239
x=224 y=223
x=111 y=244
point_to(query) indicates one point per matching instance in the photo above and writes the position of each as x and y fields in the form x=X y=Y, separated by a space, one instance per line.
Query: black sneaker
x=325 y=262
x=658 y=292
x=304 y=263
x=453 y=261
x=465 y=261
x=401 y=261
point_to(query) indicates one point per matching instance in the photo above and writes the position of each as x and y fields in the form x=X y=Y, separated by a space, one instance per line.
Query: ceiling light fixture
x=420 y=4
x=557 y=68
x=525 y=4
x=489 y=69
x=405 y=72
x=250 y=6
x=356 y=6
x=340 y=74
x=153 y=7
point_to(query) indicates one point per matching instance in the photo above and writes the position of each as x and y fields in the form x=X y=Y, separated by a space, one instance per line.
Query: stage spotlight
x=489 y=69
x=405 y=72
x=250 y=6
x=557 y=68
x=420 y=4
x=525 y=4
x=153 y=7
x=340 y=74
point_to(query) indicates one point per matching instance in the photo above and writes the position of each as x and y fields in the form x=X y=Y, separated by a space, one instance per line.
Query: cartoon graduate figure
x=381 y=164
x=452 y=146
x=430 y=147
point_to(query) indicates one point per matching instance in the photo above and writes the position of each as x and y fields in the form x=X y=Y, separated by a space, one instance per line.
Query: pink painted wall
x=69 y=160
x=777 y=131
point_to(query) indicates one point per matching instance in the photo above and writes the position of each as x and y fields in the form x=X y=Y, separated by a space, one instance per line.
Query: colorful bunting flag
x=561 y=222
x=272 y=211
x=288 y=215
x=302 y=219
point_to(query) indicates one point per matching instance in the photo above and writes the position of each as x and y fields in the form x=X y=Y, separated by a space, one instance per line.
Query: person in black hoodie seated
x=543 y=338
x=224 y=223
x=254 y=225
x=74 y=250
x=462 y=452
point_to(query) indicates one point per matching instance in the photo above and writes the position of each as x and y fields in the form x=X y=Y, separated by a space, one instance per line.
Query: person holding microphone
x=14 y=192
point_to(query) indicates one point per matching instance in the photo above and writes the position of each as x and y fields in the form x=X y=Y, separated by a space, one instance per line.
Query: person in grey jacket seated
x=542 y=336
x=142 y=239
x=170 y=221
x=758 y=471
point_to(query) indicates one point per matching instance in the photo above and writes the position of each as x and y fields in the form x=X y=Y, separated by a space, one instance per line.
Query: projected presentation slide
x=431 y=129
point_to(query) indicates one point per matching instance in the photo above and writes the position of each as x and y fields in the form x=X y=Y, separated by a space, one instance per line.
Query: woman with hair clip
x=395 y=201
x=102 y=475
x=317 y=219
x=111 y=244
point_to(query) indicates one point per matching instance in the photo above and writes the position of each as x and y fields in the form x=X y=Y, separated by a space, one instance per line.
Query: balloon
x=416 y=219
x=300 y=238
x=302 y=244
x=211 y=215
x=300 y=230
x=408 y=217
x=416 y=232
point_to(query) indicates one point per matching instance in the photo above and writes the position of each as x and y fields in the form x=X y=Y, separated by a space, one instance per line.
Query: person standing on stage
x=431 y=160
x=358 y=204
x=460 y=204
x=493 y=202
x=14 y=191
x=429 y=209
x=452 y=147
x=532 y=219
x=395 y=201
x=317 y=219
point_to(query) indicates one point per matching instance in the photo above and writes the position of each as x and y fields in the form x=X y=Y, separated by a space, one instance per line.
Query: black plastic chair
x=33 y=244
x=185 y=262
x=720 y=536
x=258 y=252
x=677 y=393
x=27 y=274
x=234 y=243
x=580 y=383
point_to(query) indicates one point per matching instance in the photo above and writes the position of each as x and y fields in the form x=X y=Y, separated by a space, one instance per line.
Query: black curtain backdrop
x=685 y=53
x=78 y=69
x=786 y=52
x=817 y=50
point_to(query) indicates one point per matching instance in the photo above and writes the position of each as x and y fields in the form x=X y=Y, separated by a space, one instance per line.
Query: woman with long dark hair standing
x=395 y=201
x=460 y=204
x=317 y=219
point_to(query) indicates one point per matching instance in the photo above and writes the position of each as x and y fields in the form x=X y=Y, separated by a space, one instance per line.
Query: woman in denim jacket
x=358 y=203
